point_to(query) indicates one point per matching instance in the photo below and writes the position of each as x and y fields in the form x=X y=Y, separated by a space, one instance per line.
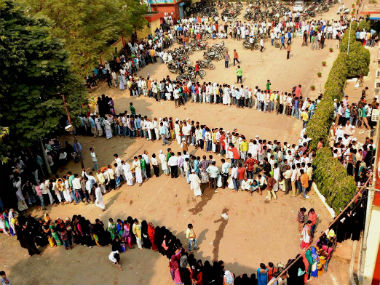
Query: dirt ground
x=255 y=231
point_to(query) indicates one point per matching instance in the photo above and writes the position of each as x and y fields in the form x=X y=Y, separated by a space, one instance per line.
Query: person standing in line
x=304 y=183
x=136 y=229
x=306 y=235
x=4 y=279
x=312 y=217
x=234 y=177
x=173 y=163
x=224 y=172
x=213 y=172
x=301 y=218
x=236 y=57
x=154 y=162
x=262 y=274
x=99 y=202
x=239 y=74
x=261 y=45
x=227 y=59
x=94 y=159
x=288 y=49
x=191 y=237
x=147 y=163
x=195 y=183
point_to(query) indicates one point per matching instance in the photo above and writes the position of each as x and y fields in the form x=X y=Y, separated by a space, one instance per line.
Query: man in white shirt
x=147 y=163
x=77 y=187
x=173 y=163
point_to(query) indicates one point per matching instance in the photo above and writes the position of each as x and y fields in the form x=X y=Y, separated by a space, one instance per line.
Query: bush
x=332 y=180
x=357 y=61
x=366 y=25
x=329 y=174
x=319 y=125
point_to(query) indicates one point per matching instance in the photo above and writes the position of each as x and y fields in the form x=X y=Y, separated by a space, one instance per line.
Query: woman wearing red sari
x=151 y=233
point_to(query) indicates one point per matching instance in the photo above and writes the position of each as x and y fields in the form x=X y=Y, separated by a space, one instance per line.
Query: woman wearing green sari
x=111 y=228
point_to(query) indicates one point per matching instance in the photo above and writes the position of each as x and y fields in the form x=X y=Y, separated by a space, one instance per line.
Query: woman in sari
x=151 y=234
x=126 y=237
x=174 y=270
x=314 y=267
x=262 y=275
x=111 y=228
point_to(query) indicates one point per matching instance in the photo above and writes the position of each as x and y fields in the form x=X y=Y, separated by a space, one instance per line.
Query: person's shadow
x=219 y=234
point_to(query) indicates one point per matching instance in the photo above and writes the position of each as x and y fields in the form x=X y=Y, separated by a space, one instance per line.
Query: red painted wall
x=167 y=9
x=376 y=273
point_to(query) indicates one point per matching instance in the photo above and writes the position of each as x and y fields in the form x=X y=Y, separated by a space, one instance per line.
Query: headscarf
x=314 y=254
x=229 y=277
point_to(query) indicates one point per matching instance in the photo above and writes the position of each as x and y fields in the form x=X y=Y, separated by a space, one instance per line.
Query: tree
x=88 y=27
x=34 y=73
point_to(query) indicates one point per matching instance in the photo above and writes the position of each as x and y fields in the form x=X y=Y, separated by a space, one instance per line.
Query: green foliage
x=332 y=180
x=357 y=60
x=366 y=25
x=349 y=36
x=320 y=123
x=34 y=73
x=4 y=147
x=88 y=27
x=330 y=175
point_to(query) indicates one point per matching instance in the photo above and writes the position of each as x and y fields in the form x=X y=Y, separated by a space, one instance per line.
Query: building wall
x=371 y=268
x=144 y=32
x=171 y=8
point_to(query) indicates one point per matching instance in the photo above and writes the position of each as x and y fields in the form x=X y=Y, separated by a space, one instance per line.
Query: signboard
x=161 y=1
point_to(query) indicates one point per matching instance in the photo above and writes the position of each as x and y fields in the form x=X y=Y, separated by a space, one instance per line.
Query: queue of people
x=123 y=235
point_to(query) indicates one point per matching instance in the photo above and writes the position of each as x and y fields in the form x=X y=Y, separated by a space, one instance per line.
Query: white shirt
x=111 y=257
x=173 y=161
x=76 y=183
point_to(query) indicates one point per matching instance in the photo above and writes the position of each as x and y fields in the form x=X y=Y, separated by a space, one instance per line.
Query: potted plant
x=353 y=5
x=312 y=87
x=323 y=63
x=331 y=49
x=319 y=74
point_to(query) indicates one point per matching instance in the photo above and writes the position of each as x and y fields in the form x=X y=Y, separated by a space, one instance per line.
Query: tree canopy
x=88 y=27
x=34 y=73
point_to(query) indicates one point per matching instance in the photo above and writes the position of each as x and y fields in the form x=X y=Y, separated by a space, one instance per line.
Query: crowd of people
x=123 y=235
x=126 y=233
x=251 y=165
x=266 y=99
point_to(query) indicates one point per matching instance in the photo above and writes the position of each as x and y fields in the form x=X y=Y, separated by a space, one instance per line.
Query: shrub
x=319 y=124
x=366 y=25
x=329 y=174
x=357 y=61
x=332 y=180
